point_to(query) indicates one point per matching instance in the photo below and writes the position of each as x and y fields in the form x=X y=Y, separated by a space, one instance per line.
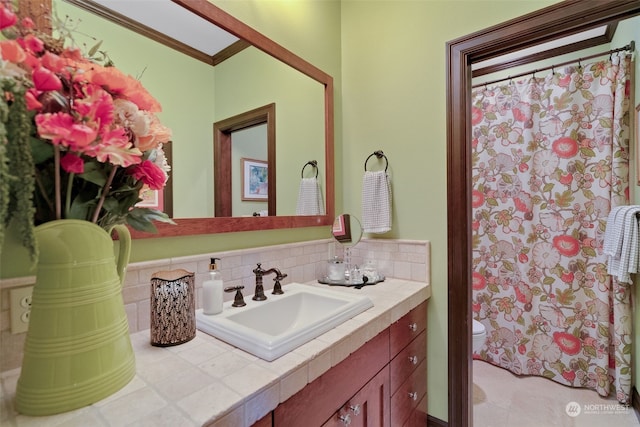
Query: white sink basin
x=268 y=329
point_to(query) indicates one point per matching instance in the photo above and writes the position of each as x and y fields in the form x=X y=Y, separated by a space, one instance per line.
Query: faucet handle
x=238 y=300
x=259 y=270
x=277 y=288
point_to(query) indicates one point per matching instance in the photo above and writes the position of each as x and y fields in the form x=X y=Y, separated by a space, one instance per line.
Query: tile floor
x=501 y=399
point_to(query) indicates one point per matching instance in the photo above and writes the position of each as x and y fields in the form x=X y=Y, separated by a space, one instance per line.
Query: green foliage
x=17 y=181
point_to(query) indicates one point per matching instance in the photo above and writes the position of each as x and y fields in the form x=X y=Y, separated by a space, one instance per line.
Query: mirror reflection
x=310 y=200
x=195 y=95
x=347 y=230
x=250 y=173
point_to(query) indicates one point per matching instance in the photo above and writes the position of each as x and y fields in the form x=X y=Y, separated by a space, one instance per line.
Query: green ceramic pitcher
x=77 y=349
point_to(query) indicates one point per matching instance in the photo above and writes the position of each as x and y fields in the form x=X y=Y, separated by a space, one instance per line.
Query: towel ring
x=313 y=163
x=379 y=154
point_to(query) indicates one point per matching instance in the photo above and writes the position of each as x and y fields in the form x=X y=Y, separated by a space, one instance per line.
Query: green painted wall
x=393 y=72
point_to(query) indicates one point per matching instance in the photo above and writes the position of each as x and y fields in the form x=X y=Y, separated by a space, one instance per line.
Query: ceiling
x=174 y=21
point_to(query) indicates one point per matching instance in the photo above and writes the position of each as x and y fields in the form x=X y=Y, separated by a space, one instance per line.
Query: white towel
x=376 y=202
x=612 y=244
x=310 y=200
x=622 y=241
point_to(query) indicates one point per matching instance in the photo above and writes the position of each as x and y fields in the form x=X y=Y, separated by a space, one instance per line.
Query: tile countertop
x=206 y=381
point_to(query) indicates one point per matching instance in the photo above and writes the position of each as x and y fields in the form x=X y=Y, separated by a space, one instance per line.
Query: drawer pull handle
x=413 y=327
x=355 y=409
x=413 y=395
x=346 y=419
x=413 y=360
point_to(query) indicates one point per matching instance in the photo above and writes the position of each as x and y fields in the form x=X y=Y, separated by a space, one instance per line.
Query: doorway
x=223 y=154
x=565 y=18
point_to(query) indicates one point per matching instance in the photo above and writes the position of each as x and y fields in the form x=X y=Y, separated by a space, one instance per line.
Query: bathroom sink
x=268 y=329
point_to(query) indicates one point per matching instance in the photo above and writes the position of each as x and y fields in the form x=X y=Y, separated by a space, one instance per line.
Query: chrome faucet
x=260 y=272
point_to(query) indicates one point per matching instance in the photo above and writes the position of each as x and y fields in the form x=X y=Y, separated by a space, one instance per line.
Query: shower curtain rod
x=630 y=47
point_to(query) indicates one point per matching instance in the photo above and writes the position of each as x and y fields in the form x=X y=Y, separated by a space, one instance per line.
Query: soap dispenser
x=212 y=290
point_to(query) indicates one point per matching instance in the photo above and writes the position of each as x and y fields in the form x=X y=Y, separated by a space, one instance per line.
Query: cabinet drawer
x=407 y=328
x=408 y=360
x=419 y=417
x=367 y=408
x=408 y=395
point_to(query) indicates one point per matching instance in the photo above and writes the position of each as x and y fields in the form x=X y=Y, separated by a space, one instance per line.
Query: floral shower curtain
x=550 y=160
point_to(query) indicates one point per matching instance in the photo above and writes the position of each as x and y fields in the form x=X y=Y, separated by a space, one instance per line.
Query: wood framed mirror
x=248 y=36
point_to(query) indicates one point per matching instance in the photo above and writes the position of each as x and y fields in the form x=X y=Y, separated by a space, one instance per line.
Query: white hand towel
x=614 y=234
x=610 y=232
x=376 y=202
x=622 y=241
x=310 y=200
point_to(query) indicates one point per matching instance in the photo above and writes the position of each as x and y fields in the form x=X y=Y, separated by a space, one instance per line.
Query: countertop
x=208 y=382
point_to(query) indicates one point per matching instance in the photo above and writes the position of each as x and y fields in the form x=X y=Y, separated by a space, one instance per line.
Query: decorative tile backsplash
x=302 y=262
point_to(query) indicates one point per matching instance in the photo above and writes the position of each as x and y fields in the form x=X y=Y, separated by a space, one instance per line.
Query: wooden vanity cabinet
x=368 y=407
x=408 y=347
x=327 y=394
x=418 y=417
x=382 y=384
x=266 y=421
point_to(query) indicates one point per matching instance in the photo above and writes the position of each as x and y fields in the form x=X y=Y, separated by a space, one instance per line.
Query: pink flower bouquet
x=77 y=139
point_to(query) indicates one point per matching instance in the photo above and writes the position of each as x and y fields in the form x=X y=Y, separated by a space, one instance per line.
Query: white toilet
x=479 y=335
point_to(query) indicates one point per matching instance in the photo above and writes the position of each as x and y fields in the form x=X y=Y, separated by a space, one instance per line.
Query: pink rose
x=33 y=43
x=7 y=17
x=32 y=100
x=28 y=23
x=72 y=163
x=11 y=51
x=44 y=79
x=150 y=174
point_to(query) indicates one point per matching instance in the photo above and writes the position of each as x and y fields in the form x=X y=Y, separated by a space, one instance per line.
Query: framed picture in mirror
x=255 y=180
x=151 y=199
x=161 y=200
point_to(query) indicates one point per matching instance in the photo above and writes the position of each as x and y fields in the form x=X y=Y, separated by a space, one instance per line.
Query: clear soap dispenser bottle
x=212 y=290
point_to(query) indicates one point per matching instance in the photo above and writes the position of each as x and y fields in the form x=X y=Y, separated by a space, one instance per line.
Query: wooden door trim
x=559 y=20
